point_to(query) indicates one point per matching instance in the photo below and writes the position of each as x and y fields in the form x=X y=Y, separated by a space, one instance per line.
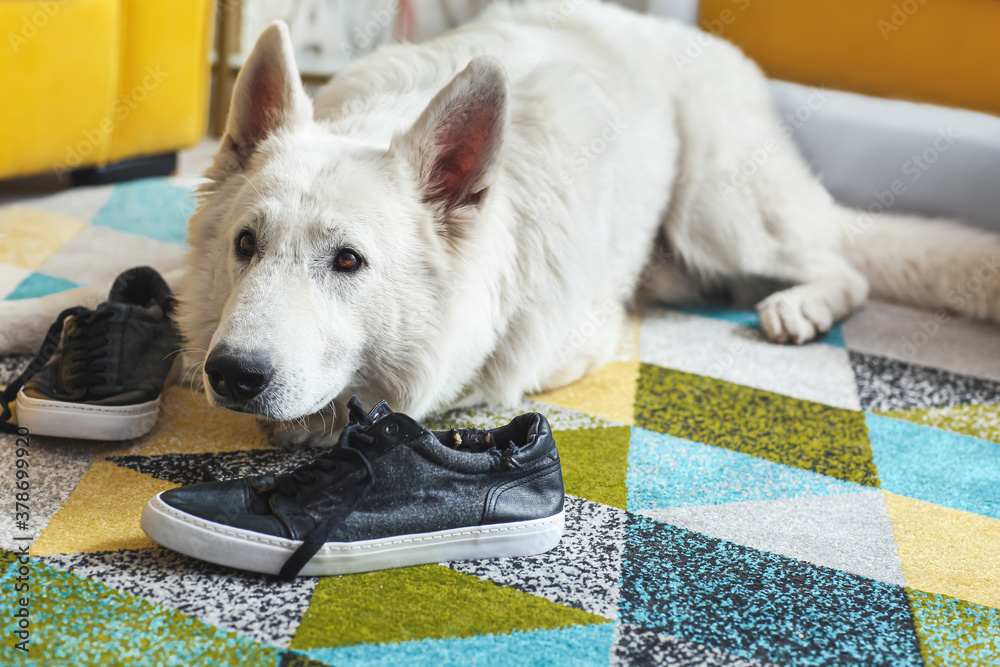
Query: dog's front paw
x=294 y=434
x=795 y=315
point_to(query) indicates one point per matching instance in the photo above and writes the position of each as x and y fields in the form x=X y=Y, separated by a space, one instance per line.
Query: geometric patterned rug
x=730 y=502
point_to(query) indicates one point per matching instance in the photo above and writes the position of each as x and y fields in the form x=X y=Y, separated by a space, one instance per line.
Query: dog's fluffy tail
x=930 y=264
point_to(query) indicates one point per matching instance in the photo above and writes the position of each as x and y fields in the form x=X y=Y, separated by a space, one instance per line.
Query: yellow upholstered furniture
x=938 y=51
x=90 y=82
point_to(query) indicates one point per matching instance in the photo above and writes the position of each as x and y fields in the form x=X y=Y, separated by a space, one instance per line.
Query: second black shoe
x=100 y=372
x=391 y=493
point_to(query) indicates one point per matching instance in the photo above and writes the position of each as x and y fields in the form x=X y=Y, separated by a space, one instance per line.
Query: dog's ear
x=268 y=94
x=455 y=145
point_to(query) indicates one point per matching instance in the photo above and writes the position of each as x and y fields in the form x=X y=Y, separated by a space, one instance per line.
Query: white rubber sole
x=256 y=552
x=89 y=422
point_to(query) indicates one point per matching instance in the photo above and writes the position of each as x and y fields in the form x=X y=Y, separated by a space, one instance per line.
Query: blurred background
x=894 y=103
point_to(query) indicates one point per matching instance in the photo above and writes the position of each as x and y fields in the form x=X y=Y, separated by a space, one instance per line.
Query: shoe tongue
x=116 y=306
x=140 y=286
x=379 y=411
x=82 y=319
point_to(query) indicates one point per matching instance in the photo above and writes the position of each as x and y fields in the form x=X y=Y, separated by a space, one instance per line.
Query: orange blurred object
x=938 y=51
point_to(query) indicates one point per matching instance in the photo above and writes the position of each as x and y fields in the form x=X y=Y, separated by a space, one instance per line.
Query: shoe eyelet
x=392 y=428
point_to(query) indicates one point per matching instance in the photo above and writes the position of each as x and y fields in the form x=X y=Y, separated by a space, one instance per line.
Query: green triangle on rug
x=595 y=462
x=81 y=622
x=665 y=471
x=798 y=433
x=579 y=645
x=955 y=632
x=427 y=601
x=980 y=421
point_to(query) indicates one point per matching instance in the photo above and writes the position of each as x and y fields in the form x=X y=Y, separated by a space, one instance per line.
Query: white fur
x=598 y=180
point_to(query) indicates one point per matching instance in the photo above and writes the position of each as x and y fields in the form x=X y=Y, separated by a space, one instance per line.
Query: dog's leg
x=747 y=212
x=589 y=347
x=663 y=280
x=571 y=372
x=790 y=255
x=826 y=291
x=802 y=312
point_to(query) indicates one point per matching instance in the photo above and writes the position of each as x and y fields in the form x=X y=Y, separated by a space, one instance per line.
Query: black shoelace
x=506 y=456
x=346 y=448
x=90 y=353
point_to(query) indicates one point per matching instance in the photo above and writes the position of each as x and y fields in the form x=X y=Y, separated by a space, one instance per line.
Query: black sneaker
x=103 y=381
x=389 y=494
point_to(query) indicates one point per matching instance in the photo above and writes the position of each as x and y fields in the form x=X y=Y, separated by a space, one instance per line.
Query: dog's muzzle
x=238 y=377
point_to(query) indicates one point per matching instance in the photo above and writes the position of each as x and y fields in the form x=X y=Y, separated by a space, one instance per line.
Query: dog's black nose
x=238 y=376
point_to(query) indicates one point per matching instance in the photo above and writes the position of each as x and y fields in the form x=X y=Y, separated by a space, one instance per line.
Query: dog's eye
x=346 y=261
x=246 y=244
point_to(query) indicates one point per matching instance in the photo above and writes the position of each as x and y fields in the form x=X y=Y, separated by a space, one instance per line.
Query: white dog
x=443 y=223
